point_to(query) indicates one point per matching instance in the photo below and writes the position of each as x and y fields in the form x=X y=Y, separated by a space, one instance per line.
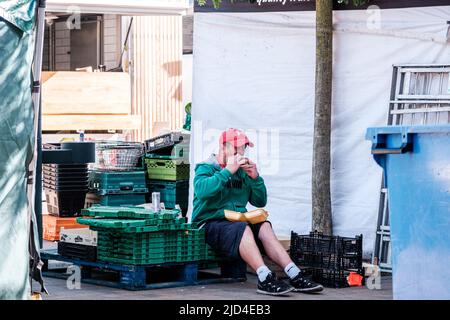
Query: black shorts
x=225 y=236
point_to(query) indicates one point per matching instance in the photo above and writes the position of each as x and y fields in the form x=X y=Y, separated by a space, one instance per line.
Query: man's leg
x=278 y=254
x=272 y=246
x=249 y=251
x=267 y=281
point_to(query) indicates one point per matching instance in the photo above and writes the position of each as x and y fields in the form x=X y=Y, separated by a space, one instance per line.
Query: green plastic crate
x=149 y=236
x=138 y=251
x=133 y=212
x=172 y=192
x=183 y=251
x=139 y=245
x=155 y=228
x=210 y=255
x=141 y=239
x=146 y=229
x=112 y=182
x=131 y=199
x=107 y=223
x=170 y=170
x=192 y=234
x=133 y=225
x=143 y=244
x=155 y=247
x=161 y=254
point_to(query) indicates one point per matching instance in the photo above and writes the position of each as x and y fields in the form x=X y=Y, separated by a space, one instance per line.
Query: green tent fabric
x=16 y=144
x=19 y=12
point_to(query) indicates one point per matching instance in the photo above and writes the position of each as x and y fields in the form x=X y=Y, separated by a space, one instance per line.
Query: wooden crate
x=87 y=101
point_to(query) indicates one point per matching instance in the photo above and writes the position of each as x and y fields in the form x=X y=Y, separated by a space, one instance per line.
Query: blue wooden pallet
x=141 y=278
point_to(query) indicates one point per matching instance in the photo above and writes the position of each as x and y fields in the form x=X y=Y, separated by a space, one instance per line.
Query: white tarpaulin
x=255 y=71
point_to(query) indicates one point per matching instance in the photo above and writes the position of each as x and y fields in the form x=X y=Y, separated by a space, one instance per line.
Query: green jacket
x=216 y=189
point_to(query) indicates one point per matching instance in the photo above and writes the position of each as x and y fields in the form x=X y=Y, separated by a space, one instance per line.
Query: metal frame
x=411 y=102
x=36 y=164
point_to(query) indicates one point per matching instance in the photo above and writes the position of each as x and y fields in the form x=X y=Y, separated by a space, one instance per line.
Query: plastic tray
x=165 y=141
x=171 y=170
x=64 y=204
x=118 y=182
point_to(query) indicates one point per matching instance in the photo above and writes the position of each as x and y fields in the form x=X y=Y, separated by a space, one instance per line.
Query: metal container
x=156 y=202
x=416 y=163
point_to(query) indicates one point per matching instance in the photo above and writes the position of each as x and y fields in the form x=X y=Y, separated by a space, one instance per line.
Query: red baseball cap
x=235 y=136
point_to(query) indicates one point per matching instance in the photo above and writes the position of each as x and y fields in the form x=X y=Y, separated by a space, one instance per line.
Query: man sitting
x=228 y=181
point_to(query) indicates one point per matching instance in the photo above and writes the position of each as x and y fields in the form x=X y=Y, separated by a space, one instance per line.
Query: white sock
x=292 y=270
x=262 y=272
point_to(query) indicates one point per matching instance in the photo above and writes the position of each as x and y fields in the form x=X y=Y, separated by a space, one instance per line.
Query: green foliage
x=216 y=3
x=356 y=3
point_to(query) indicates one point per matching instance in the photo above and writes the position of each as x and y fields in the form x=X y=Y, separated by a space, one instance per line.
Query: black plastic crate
x=82 y=177
x=67 y=188
x=329 y=261
x=78 y=176
x=62 y=182
x=65 y=172
x=75 y=178
x=165 y=141
x=51 y=146
x=65 y=166
x=334 y=256
x=65 y=182
x=65 y=169
x=65 y=203
x=316 y=242
x=78 y=251
x=328 y=278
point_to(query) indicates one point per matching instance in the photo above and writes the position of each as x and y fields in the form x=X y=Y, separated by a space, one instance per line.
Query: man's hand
x=234 y=162
x=250 y=169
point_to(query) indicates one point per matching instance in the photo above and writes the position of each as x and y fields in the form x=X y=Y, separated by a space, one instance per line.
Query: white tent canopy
x=256 y=71
x=124 y=7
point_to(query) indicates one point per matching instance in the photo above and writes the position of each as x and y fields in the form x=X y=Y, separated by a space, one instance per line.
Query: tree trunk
x=321 y=199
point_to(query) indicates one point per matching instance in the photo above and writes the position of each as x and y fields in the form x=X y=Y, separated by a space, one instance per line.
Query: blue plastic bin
x=416 y=163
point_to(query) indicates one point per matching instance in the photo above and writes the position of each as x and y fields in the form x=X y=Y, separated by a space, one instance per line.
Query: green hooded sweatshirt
x=216 y=189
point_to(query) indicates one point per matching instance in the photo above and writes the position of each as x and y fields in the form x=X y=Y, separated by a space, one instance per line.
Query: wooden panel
x=90 y=122
x=66 y=92
x=157 y=73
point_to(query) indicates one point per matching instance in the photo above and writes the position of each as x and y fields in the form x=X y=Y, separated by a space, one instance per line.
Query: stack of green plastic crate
x=138 y=236
x=168 y=174
x=117 y=188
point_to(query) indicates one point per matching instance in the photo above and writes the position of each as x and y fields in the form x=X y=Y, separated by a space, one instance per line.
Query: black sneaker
x=303 y=284
x=273 y=286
